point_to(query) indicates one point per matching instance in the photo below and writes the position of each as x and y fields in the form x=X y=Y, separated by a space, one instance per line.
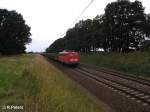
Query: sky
x=50 y=19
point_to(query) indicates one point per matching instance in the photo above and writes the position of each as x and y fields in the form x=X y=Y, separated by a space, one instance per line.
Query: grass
x=30 y=80
x=10 y=71
x=136 y=63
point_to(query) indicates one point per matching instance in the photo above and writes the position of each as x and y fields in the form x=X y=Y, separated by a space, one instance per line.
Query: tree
x=72 y=39
x=57 y=46
x=79 y=38
x=145 y=46
x=124 y=27
x=14 y=33
x=98 y=38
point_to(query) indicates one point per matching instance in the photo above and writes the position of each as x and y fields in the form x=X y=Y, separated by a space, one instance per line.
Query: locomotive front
x=69 y=57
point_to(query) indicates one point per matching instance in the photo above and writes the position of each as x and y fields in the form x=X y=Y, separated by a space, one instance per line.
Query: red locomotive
x=68 y=57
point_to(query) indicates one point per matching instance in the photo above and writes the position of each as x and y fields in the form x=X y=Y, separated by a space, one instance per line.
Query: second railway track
x=135 y=92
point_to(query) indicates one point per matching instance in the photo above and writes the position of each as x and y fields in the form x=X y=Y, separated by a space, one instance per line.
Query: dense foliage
x=133 y=63
x=126 y=25
x=123 y=27
x=58 y=45
x=14 y=33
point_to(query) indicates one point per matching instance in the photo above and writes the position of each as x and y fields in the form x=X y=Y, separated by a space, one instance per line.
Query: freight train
x=70 y=58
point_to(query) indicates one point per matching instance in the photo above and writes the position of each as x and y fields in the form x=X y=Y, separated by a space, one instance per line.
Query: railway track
x=121 y=93
x=119 y=74
x=135 y=89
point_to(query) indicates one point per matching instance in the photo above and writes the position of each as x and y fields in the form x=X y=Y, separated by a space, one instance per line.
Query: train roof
x=68 y=52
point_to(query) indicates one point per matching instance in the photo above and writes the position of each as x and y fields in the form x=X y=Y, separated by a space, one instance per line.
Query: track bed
x=122 y=93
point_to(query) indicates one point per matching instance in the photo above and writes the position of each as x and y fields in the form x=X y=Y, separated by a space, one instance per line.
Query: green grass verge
x=136 y=63
x=11 y=69
x=29 y=80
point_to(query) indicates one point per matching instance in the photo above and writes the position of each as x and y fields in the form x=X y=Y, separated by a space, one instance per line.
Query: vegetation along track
x=137 y=89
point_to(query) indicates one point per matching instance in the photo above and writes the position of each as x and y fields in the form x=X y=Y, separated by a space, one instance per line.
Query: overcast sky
x=49 y=19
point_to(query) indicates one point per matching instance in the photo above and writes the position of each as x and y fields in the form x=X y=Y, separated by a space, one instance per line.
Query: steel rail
x=118 y=86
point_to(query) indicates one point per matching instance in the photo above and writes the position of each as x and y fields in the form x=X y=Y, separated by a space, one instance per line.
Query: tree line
x=14 y=32
x=123 y=27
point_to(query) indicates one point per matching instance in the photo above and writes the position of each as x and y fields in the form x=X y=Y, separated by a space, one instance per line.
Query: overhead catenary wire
x=79 y=16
